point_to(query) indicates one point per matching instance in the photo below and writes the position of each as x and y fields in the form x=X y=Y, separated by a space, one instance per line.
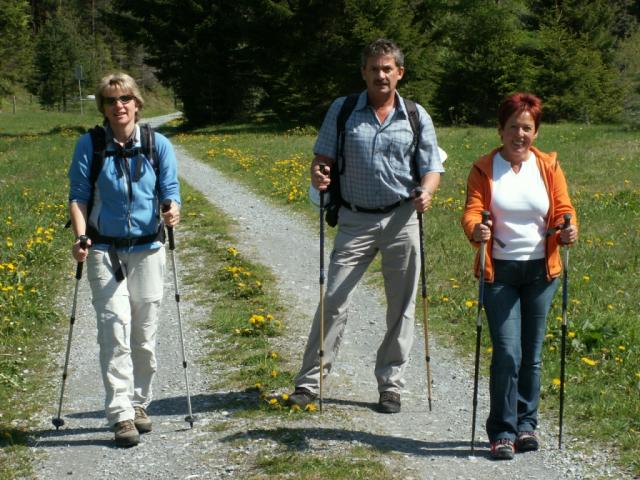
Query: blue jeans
x=517 y=304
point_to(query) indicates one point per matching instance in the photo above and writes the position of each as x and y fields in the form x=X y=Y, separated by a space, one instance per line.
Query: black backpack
x=99 y=145
x=335 y=199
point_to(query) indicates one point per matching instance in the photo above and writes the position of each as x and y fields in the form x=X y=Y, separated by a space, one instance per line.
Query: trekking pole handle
x=166 y=205
x=485 y=217
x=83 y=245
x=567 y=221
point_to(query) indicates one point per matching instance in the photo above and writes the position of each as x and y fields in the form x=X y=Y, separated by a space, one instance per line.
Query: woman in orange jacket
x=526 y=193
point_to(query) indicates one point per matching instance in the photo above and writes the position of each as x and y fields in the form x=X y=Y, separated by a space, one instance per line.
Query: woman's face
x=120 y=107
x=517 y=136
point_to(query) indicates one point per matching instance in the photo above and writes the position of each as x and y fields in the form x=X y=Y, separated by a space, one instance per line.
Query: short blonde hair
x=123 y=82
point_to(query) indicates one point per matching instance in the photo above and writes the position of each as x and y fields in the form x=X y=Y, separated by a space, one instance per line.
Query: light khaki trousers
x=127 y=317
x=360 y=237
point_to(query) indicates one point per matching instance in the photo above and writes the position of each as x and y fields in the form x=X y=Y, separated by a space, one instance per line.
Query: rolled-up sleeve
x=169 y=184
x=80 y=171
x=427 y=155
x=326 y=143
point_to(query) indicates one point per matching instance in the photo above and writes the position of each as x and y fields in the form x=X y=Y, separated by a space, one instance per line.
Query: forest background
x=285 y=60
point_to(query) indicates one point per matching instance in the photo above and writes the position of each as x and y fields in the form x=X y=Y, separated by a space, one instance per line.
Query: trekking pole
x=321 y=351
x=425 y=318
x=485 y=220
x=565 y=285
x=172 y=246
x=58 y=421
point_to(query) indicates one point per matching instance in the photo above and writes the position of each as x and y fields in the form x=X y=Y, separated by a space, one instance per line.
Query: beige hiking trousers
x=127 y=317
x=360 y=237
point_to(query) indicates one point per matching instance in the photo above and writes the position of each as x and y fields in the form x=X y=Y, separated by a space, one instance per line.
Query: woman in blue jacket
x=117 y=213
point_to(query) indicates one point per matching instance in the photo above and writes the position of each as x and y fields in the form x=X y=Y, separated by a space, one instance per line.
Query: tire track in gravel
x=414 y=444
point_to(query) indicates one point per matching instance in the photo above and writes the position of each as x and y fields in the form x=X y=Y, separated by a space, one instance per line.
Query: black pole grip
x=485 y=217
x=166 y=205
x=567 y=220
x=83 y=245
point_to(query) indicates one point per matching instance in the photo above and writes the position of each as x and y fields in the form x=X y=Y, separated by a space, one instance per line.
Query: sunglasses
x=124 y=99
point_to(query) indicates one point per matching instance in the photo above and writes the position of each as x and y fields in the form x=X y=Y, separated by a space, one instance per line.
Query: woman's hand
x=171 y=215
x=482 y=232
x=569 y=235
x=80 y=249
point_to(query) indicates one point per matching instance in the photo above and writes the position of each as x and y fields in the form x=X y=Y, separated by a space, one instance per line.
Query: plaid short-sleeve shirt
x=378 y=157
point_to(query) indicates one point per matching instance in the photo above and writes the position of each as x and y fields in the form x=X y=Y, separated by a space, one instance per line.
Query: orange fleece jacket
x=479 y=188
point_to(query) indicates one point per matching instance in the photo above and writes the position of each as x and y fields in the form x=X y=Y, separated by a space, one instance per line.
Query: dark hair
x=382 y=46
x=518 y=103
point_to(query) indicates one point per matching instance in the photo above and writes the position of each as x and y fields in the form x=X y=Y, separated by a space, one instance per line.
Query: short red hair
x=518 y=103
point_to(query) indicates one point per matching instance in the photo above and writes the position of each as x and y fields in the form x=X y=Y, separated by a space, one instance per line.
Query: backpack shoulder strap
x=147 y=139
x=414 y=121
x=99 y=144
x=345 y=112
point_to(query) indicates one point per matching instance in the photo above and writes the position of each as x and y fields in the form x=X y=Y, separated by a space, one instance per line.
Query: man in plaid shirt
x=382 y=170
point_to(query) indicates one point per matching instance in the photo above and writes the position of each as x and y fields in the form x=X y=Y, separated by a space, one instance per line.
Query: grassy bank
x=34 y=266
x=602 y=164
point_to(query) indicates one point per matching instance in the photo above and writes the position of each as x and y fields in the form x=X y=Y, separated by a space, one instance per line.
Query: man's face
x=382 y=74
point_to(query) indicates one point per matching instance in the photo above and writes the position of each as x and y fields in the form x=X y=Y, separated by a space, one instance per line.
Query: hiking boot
x=389 y=402
x=126 y=434
x=527 y=442
x=141 y=420
x=502 y=449
x=301 y=397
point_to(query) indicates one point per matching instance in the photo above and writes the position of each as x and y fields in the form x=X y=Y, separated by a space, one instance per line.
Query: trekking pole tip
x=190 y=419
x=57 y=422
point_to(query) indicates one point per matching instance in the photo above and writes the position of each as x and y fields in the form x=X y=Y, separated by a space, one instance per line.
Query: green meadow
x=602 y=164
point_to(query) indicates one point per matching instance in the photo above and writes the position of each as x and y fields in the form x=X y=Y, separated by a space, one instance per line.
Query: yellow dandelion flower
x=638 y=375
x=285 y=397
x=589 y=361
x=310 y=407
x=555 y=382
x=274 y=373
x=571 y=334
x=273 y=401
x=273 y=355
x=622 y=348
x=610 y=307
x=586 y=278
x=295 y=408
x=258 y=386
x=489 y=350
x=469 y=303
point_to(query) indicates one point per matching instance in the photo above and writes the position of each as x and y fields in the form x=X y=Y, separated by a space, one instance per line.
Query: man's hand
x=320 y=172
x=422 y=199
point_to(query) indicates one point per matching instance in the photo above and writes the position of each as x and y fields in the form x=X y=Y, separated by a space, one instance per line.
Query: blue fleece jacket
x=124 y=207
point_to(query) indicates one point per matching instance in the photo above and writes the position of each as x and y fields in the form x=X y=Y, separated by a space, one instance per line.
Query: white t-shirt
x=519 y=207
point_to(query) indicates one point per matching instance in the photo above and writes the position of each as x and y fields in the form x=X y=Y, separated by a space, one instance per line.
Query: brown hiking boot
x=141 y=420
x=389 y=402
x=301 y=397
x=126 y=434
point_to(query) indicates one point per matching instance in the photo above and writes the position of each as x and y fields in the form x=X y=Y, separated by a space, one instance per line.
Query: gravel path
x=415 y=444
